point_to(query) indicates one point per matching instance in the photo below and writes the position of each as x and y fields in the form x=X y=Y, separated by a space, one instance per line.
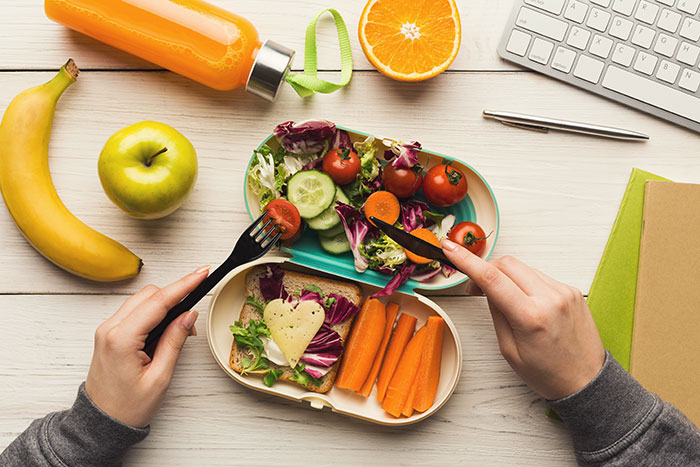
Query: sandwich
x=293 y=327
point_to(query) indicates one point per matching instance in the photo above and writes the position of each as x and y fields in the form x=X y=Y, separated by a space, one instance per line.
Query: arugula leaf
x=271 y=376
x=249 y=338
x=302 y=377
x=250 y=300
x=314 y=288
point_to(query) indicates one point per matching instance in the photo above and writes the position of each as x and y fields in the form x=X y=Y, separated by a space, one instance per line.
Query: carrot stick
x=408 y=406
x=392 y=309
x=428 y=375
x=364 y=340
x=400 y=386
x=384 y=206
x=400 y=337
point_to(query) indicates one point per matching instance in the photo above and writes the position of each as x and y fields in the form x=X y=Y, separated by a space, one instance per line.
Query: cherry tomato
x=342 y=165
x=470 y=236
x=404 y=183
x=286 y=216
x=444 y=185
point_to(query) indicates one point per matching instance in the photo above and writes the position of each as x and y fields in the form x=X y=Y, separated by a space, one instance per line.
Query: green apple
x=148 y=169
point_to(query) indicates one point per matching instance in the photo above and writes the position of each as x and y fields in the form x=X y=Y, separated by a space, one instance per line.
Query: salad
x=320 y=178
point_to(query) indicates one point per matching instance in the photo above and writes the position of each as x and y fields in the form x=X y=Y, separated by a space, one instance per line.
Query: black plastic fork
x=254 y=242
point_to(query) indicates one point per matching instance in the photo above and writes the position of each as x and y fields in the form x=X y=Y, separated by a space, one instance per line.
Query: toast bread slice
x=293 y=282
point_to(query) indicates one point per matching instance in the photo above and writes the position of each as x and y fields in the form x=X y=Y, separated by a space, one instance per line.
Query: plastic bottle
x=190 y=37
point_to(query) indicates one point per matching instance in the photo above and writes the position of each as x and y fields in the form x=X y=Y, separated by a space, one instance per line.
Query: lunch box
x=306 y=256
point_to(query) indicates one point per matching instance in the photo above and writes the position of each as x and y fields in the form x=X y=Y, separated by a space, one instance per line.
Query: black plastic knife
x=412 y=243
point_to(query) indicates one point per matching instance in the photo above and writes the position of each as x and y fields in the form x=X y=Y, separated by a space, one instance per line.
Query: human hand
x=123 y=381
x=545 y=329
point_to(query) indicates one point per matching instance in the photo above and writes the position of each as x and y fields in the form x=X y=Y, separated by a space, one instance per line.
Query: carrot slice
x=428 y=375
x=383 y=205
x=362 y=346
x=392 y=309
x=428 y=236
x=399 y=338
x=400 y=386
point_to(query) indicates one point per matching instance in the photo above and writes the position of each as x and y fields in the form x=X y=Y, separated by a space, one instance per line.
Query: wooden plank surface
x=32 y=41
x=558 y=195
x=208 y=419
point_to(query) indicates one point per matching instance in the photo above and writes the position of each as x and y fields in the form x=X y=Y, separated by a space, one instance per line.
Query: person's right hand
x=545 y=329
x=123 y=381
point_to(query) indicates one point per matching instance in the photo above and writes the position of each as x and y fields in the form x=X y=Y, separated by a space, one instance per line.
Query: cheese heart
x=293 y=328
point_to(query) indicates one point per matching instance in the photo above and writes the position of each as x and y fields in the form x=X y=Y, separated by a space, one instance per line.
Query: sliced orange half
x=410 y=40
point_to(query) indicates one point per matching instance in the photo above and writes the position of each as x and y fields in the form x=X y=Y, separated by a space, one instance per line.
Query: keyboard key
x=691 y=29
x=690 y=80
x=646 y=12
x=578 y=38
x=668 y=71
x=651 y=92
x=689 y=6
x=601 y=46
x=518 y=42
x=576 y=11
x=623 y=54
x=563 y=59
x=666 y=45
x=589 y=69
x=603 y=3
x=669 y=20
x=645 y=63
x=540 y=51
x=621 y=28
x=643 y=36
x=624 y=7
x=667 y=2
x=598 y=19
x=688 y=54
x=552 y=6
x=541 y=24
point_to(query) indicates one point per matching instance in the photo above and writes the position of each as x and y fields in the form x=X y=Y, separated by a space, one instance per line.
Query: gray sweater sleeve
x=81 y=436
x=614 y=421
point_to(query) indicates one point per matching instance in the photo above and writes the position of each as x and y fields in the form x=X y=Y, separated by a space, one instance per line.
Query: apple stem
x=150 y=159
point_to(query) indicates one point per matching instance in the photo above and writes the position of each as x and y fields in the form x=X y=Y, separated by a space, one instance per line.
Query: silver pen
x=544 y=124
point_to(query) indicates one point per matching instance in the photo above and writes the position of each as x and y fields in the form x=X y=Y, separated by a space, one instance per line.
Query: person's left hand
x=122 y=380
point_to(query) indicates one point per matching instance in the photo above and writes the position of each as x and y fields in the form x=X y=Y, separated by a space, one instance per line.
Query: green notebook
x=612 y=293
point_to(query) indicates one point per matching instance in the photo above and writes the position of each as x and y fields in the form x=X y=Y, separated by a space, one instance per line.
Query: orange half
x=410 y=40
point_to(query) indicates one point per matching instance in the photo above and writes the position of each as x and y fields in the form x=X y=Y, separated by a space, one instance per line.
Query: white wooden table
x=558 y=196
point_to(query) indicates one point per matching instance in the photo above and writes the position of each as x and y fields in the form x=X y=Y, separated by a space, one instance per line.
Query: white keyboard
x=643 y=53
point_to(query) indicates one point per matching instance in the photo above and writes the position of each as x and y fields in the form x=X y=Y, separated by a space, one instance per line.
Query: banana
x=30 y=195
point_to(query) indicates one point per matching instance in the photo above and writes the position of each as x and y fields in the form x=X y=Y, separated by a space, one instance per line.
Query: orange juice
x=190 y=37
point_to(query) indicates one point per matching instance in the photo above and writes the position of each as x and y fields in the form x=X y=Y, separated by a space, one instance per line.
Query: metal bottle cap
x=269 y=70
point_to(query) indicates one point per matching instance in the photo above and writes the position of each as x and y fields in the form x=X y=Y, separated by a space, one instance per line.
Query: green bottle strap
x=308 y=82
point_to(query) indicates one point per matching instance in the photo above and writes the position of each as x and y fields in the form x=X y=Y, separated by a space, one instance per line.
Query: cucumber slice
x=311 y=191
x=328 y=218
x=335 y=245
x=333 y=231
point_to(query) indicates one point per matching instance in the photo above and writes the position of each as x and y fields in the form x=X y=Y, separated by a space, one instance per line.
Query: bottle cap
x=269 y=70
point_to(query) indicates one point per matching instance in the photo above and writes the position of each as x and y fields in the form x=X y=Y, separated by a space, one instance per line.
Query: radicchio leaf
x=311 y=296
x=271 y=286
x=403 y=155
x=397 y=281
x=412 y=216
x=316 y=371
x=356 y=228
x=314 y=164
x=447 y=271
x=325 y=348
x=341 y=310
x=426 y=274
x=341 y=140
x=308 y=137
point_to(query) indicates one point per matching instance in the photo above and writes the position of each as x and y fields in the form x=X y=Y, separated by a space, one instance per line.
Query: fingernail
x=448 y=245
x=189 y=319
x=202 y=269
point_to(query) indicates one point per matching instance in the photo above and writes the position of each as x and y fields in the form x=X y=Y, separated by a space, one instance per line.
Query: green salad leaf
x=250 y=300
x=300 y=376
x=383 y=253
x=249 y=338
x=271 y=377
x=268 y=174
